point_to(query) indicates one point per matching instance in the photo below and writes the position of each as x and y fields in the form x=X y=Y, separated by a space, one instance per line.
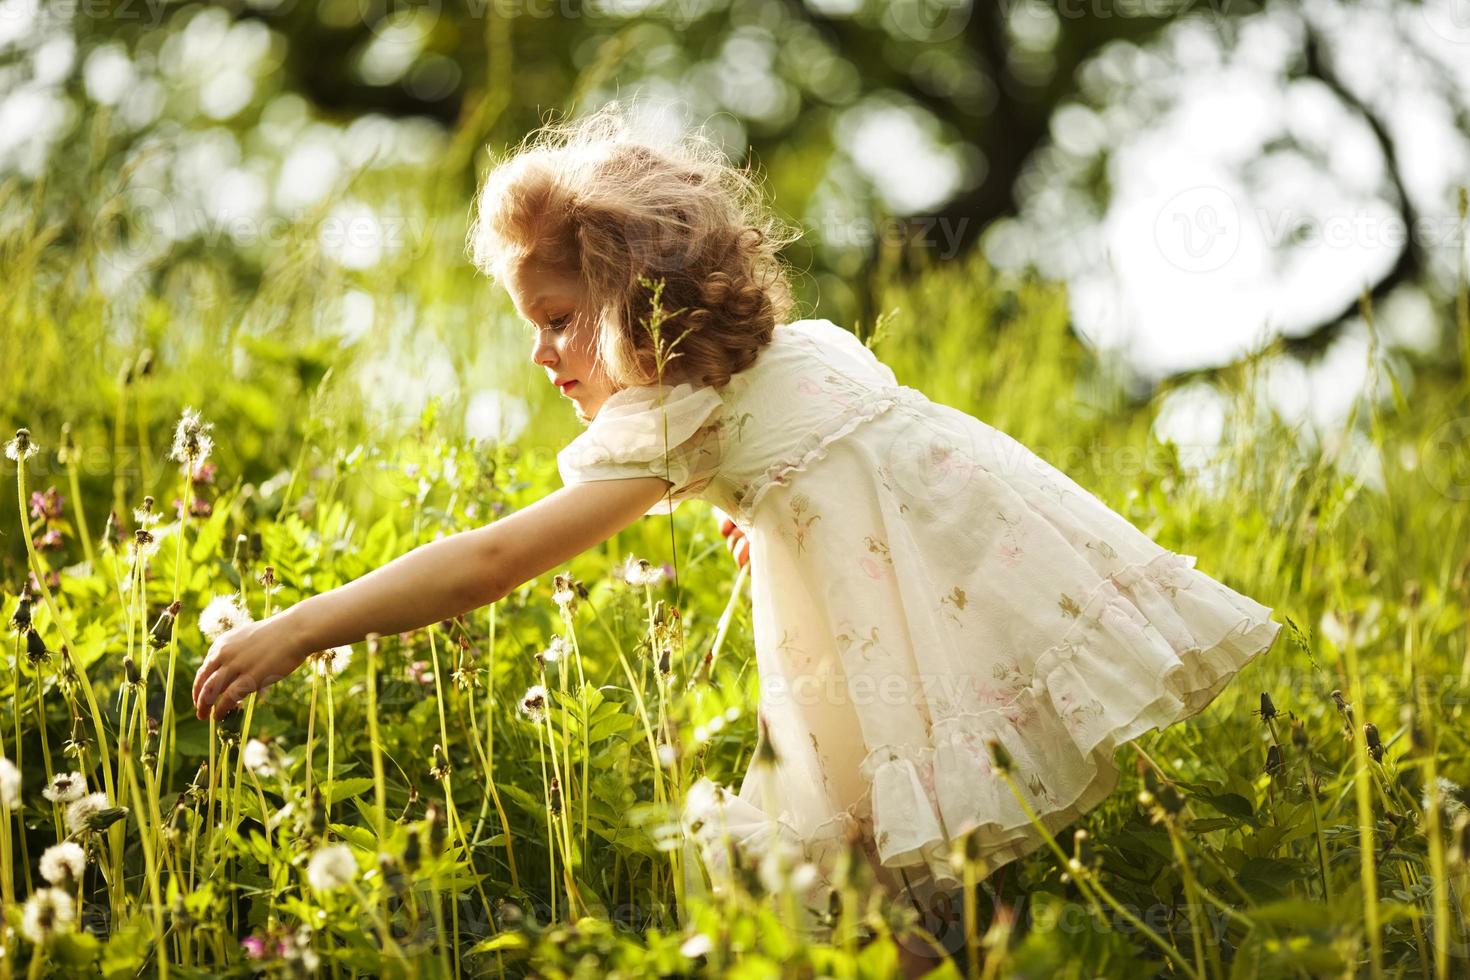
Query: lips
x=565 y=386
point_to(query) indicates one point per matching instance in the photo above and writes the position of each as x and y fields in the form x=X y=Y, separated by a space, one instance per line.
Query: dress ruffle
x=668 y=431
x=1154 y=644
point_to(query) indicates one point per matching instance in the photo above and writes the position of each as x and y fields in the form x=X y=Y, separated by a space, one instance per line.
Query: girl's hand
x=245 y=660
x=735 y=538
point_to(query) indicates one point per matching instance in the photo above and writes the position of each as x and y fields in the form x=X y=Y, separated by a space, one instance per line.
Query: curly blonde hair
x=592 y=199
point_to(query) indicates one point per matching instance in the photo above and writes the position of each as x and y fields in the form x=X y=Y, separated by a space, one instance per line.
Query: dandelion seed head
x=21 y=448
x=696 y=946
x=146 y=517
x=330 y=663
x=639 y=572
x=331 y=867
x=47 y=912
x=533 y=704
x=65 y=787
x=224 y=613
x=145 y=546
x=63 y=863
x=555 y=650
x=192 y=442
x=804 y=877
x=1449 y=797
x=9 y=783
x=257 y=757
x=81 y=811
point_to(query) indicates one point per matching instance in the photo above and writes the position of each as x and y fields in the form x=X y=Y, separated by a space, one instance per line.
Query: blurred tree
x=781 y=76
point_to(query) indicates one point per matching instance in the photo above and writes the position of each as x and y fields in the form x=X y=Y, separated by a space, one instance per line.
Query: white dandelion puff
x=65 y=787
x=331 y=867
x=805 y=877
x=696 y=946
x=63 y=864
x=639 y=572
x=555 y=650
x=79 y=812
x=257 y=757
x=330 y=663
x=776 y=863
x=1449 y=797
x=533 y=704
x=567 y=592
x=21 y=448
x=48 y=911
x=9 y=783
x=224 y=613
x=192 y=442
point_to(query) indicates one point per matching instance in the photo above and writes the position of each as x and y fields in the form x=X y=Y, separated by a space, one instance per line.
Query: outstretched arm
x=433 y=582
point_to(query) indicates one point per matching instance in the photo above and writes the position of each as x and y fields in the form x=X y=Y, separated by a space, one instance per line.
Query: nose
x=542 y=352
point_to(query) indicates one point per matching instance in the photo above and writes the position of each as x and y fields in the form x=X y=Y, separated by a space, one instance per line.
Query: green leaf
x=77 y=949
x=506 y=940
x=1234 y=805
x=345 y=789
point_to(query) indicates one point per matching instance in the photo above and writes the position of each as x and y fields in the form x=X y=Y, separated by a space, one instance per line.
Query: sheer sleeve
x=672 y=432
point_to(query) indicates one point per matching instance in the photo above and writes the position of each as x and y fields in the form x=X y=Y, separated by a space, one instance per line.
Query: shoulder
x=643 y=422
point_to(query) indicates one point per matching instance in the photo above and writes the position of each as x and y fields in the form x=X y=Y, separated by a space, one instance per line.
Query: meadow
x=191 y=443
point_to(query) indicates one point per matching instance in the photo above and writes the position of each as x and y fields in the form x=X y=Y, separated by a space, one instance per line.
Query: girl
x=926 y=584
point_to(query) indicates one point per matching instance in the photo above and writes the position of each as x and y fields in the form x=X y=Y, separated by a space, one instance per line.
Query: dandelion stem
x=151 y=861
x=1362 y=787
x=68 y=646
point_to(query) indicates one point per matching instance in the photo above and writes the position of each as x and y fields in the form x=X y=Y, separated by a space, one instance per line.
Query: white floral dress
x=922 y=582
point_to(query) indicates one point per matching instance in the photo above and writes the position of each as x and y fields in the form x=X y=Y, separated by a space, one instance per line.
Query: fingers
x=209 y=666
x=735 y=540
x=215 y=684
x=242 y=687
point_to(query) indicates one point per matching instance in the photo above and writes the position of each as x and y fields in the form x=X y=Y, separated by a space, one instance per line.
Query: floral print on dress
x=794 y=654
x=1010 y=550
x=1078 y=714
x=801 y=524
x=865 y=643
x=878 y=562
x=1038 y=788
x=953 y=603
x=739 y=423
x=821 y=438
x=885 y=477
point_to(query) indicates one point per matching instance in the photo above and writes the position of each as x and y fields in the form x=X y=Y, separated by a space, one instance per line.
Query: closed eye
x=558 y=323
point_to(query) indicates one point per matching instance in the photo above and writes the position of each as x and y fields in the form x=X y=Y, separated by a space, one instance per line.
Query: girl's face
x=564 y=338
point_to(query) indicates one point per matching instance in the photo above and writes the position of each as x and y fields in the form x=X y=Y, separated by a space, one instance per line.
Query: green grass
x=440 y=785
